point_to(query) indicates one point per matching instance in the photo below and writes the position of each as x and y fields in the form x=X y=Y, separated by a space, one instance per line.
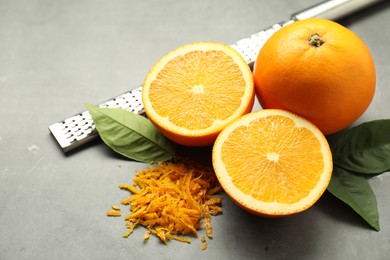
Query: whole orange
x=317 y=69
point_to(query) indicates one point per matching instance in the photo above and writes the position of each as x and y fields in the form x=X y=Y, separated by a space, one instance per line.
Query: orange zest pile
x=171 y=199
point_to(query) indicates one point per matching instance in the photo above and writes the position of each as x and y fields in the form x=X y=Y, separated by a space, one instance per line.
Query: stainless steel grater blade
x=79 y=129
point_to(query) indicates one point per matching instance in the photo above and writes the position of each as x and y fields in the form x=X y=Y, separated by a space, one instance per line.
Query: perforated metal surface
x=249 y=47
x=79 y=129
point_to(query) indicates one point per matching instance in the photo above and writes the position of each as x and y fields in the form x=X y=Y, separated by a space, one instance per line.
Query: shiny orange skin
x=331 y=85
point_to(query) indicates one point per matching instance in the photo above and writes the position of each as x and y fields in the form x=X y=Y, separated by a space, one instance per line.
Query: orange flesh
x=272 y=170
x=198 y=89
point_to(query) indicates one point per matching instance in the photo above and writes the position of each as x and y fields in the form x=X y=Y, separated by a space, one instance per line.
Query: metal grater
x=79 y=129
x=249 y=47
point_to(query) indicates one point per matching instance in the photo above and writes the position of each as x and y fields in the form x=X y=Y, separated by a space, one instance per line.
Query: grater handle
x=333 y=9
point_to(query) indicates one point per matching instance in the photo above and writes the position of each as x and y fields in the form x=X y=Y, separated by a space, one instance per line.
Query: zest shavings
x=172 y=200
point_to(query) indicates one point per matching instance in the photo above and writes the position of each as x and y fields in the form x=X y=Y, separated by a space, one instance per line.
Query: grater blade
x=249 y=47
x=79 y=129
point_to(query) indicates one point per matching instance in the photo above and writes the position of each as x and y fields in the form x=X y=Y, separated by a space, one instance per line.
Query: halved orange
x=194 y=91
x=272 y=162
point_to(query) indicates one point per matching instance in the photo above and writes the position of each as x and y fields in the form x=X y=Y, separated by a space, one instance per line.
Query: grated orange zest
x=204 y=246
x=171 y=200
x=113 y=213
x=115 y=207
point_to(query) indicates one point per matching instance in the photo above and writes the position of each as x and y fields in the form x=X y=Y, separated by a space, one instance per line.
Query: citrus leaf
x=355 y=191
x=364 y=148
x=131 y=135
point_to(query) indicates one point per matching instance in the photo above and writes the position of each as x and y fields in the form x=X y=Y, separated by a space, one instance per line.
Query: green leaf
x=131 y=135
x=364 y=148
x=356 y=192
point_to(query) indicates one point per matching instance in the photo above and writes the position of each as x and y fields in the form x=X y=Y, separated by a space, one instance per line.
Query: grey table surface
x=57 y=55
